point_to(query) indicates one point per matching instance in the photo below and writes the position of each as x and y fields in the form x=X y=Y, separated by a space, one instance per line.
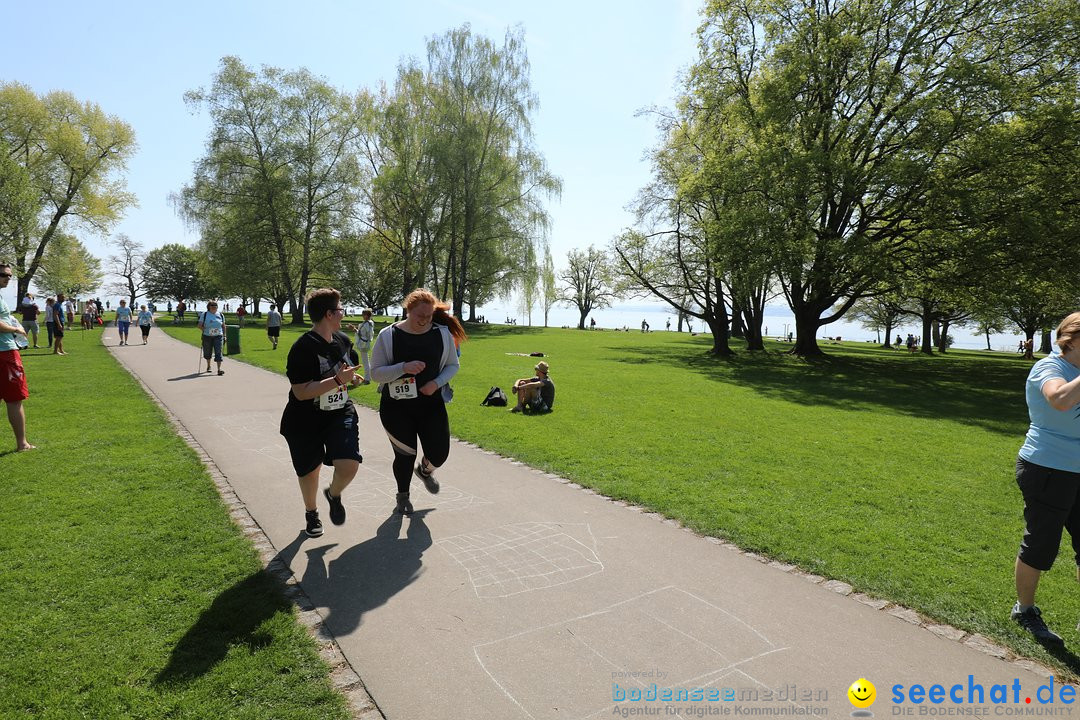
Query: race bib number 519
x=403 y=388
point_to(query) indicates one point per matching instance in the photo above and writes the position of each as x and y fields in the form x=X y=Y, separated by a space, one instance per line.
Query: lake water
x=778 y=320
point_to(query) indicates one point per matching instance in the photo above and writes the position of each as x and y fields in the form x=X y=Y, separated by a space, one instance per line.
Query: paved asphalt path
x=513 y=594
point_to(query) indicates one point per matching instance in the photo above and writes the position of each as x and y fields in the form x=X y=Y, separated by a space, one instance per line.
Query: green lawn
x=127 y=591
x=892 y=472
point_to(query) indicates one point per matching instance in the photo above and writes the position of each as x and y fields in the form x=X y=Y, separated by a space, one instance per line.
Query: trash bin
x=232 y=339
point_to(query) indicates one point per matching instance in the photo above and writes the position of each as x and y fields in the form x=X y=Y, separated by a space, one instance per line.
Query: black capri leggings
x=405 y=421
x=1051 y=504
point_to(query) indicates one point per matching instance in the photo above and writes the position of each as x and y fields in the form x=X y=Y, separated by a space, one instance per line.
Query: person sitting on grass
x=535 y=394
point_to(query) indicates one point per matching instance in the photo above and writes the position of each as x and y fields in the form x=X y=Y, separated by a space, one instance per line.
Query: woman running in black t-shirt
x=413 y=360
x=320 y=422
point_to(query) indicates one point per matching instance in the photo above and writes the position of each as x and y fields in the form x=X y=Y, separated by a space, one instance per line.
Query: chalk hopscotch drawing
x=242 y=427
x=568 y=669
x=521 y=557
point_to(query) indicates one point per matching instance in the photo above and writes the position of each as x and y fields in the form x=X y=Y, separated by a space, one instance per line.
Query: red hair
x=441 y=312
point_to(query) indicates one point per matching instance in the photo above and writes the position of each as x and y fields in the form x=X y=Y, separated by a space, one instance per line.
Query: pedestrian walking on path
x=146 y=319
x=414 y=360
x=1048 y=473
x=273 y=325
x=320 y=422
x=123 y=321
x=212 y=324
x=365 y=333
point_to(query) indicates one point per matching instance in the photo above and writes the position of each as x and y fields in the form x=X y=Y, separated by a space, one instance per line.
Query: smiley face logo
x=862 y=693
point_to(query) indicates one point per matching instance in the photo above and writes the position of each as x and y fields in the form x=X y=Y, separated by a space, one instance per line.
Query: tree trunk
x=737 y=321
x=584 y=314
x=719 y=328
x=988 y=339
x=888 y=333
x=806 y=326
x=927 y=333
x=26 y=273
x=753 y=322
x=297 y=310
x=1045 y=347
x=943 y=337
x=754 y=339
x=935 y=333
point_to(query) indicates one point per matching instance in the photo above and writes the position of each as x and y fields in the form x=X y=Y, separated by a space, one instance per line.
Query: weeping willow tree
x=456 y=185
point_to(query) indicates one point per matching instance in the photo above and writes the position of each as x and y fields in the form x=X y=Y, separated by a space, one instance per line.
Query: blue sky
x=594 y=65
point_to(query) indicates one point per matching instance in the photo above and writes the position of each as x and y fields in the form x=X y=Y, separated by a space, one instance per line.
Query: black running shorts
x=338 y=440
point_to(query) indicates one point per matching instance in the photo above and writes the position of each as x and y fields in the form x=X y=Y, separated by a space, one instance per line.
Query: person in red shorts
x=13 y=389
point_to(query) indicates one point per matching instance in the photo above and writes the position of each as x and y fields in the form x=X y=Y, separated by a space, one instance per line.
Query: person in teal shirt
x=146 y=319
x=1048 y=473
x=123 y=321
x=212 y=324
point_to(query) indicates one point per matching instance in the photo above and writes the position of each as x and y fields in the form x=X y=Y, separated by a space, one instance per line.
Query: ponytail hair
x=441 y=313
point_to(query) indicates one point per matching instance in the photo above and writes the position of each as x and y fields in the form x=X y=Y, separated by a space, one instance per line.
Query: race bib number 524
x=334 y=400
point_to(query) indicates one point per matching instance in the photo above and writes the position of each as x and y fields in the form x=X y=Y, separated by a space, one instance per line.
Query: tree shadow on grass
x=477 y=330
x=974 y=391
x=233 y=618
x=367 y=575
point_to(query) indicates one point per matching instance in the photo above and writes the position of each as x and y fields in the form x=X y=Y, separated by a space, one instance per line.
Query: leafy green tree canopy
x=68 y=267
x=72 y=155
x=172 y=272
